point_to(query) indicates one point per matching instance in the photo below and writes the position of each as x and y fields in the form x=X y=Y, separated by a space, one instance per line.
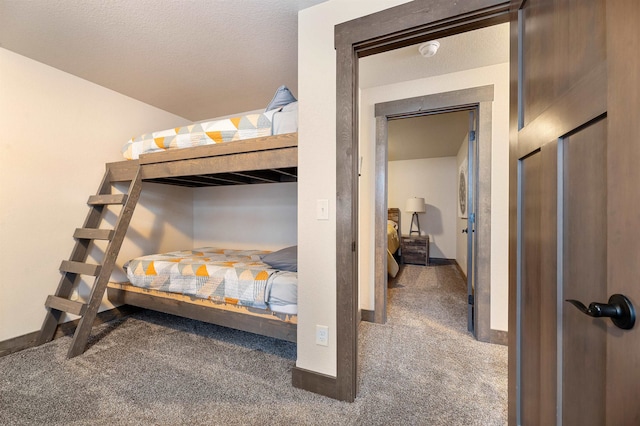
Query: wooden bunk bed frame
x=271 y=159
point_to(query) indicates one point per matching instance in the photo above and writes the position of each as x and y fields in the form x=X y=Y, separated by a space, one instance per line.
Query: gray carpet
x=420 y=368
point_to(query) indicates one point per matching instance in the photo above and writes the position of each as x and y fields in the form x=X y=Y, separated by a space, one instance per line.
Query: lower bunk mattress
x=236 y=277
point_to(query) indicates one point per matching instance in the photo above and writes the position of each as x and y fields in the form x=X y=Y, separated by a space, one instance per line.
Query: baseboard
x=26 y=341
x=460 y=269
x=499 y=337
x=314 y=382
x=367 y=315
x=433 y=261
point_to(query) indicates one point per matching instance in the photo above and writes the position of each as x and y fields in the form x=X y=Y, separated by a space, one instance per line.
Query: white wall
x=317 y=174
x=57 y=133
x=434 y=179
x=461 y=239
x=246 y=217
x=162 y=222
x=496 y=75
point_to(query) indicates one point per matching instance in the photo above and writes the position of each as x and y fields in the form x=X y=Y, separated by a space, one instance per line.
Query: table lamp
x=415 y=205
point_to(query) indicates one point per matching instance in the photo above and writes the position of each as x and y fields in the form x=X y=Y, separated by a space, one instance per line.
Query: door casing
x=404 y=25
x=410 y=23
x=479 y=98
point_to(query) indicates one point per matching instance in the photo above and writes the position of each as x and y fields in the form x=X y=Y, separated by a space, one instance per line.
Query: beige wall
x=433 y=179
x=57 y=133
x=246 y=217
x=496 y=75
x=317 y=174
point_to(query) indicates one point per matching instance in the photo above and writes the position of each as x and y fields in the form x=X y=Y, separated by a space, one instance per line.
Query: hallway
x=423 y=366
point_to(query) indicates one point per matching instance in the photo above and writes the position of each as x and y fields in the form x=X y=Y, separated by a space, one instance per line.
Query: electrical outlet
x=322 y=335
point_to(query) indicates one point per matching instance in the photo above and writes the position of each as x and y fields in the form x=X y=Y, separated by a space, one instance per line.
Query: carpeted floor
x=421 y=368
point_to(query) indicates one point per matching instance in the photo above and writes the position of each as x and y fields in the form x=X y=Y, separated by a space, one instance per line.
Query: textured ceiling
x=473 y=49
x=436 y=135
x=195 y=58
x=429 y=136
x=201 y=59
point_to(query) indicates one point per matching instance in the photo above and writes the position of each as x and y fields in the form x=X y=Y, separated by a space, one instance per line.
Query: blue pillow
x=284 y=260
x=282 y=97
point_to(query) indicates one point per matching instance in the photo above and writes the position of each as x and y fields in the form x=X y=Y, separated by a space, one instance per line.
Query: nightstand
x=415 y=249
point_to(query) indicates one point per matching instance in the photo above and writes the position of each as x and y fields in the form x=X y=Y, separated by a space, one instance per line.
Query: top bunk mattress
x=280 y=117
x=205 y=133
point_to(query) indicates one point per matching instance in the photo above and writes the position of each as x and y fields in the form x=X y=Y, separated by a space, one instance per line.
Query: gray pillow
x=282 y=97
x=284 y=260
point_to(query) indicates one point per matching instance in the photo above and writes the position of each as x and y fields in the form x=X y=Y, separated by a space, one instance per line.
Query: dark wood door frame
x=479 y=99
x=404 y=25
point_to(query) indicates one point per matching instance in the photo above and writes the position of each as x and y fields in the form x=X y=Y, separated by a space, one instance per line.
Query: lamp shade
x=415 y=205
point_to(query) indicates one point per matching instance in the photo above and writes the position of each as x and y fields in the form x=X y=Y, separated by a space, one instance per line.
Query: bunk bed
x=249 y=149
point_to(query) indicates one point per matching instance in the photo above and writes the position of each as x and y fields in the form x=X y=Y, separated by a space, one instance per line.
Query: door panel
x=584 y=275
x=549 y=304
x=578 y=94
x=561 y=40
x=538 y=305
x=530 y=172
x=623 y=205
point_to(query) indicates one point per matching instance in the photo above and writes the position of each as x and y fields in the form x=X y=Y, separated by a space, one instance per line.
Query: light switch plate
x=322 y=209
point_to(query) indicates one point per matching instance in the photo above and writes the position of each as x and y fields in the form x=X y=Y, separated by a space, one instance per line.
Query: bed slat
x=66 y=305
x=105 y=199
x=79 y=268
x=93 y=234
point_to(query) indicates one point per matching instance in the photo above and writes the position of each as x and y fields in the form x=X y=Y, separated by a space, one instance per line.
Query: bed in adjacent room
x=393 y=240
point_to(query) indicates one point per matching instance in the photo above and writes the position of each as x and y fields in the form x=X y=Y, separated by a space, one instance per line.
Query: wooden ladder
x=76 y=266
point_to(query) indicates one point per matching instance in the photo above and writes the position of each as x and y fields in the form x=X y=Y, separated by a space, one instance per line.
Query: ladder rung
x=93 y=234
x=101 y=200
x=66 y=305
x=80 y=268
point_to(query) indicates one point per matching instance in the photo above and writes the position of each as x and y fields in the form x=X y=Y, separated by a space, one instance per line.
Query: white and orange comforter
x=393 y=243
x=205 y=133
x=238 y=277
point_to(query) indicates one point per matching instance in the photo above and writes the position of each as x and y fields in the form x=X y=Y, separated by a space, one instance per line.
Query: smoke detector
x=429 y=48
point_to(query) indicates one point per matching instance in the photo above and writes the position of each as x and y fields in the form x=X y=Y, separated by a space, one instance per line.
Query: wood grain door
x=575 y=151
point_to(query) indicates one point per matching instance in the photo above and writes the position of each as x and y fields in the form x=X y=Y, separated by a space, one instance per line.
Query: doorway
x=479 y=277
x=390 y=29
x=593 y=87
